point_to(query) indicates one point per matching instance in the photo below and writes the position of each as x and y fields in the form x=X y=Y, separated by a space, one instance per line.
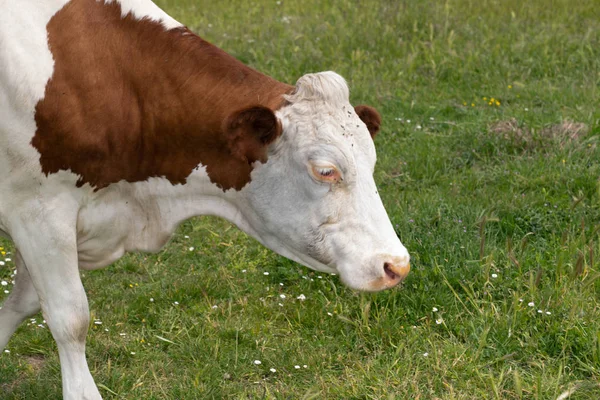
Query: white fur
x=58 y=228
x=146 y=9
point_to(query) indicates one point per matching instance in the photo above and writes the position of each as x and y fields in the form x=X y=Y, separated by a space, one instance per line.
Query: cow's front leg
x=48 y=246
x=22 y=302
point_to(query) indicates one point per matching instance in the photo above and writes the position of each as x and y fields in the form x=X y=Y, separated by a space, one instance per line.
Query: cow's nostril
x=396 y=271
x=387 y=267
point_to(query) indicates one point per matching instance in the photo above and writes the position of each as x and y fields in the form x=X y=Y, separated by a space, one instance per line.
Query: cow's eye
x=327 y=173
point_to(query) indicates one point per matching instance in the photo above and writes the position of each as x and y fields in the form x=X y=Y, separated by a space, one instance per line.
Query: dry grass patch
x=566 y=131
x=31 y=366
x=530 y=139
x=511 y=130
x=35 y=362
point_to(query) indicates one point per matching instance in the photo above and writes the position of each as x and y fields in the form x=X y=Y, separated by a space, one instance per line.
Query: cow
x=117 y=123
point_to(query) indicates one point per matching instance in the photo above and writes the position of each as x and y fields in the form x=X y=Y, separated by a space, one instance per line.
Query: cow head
x=314 y=200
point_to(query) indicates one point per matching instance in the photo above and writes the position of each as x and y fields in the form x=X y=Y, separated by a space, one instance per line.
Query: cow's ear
x=370 y=117
x=249 y=131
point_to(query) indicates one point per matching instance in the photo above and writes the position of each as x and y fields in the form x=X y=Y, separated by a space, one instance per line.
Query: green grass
x=494 y=218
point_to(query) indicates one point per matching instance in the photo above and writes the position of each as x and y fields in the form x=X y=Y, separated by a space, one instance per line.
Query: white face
x=315 y=200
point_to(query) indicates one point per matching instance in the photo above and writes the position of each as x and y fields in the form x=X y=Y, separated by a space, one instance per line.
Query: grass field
x=489 y=167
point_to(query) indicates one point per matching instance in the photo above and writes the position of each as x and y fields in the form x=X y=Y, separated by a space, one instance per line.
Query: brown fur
x=370 y=117
x=129 y=100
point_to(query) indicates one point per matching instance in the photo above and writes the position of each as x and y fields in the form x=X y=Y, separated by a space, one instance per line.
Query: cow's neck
x=200 y=86
x=195 y=85
x=155 y=208
x=205 y=85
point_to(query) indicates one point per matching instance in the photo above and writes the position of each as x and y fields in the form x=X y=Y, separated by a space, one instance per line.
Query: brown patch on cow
x=129 y=100
x=527 y=138
x=370 y=117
